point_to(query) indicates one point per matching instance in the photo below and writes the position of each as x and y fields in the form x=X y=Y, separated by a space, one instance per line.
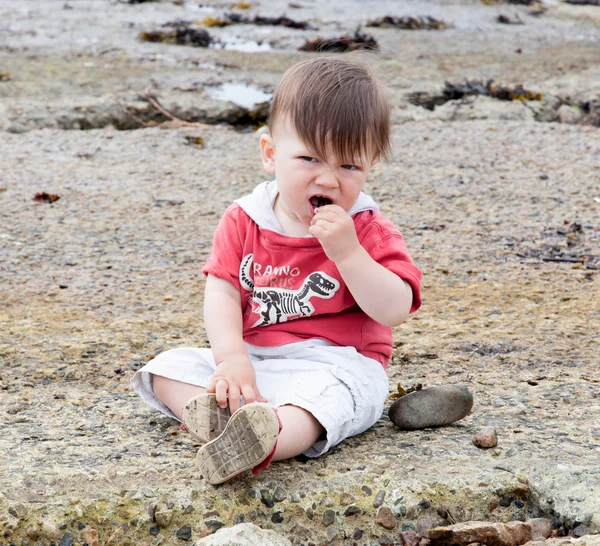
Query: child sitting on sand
x=304 y=282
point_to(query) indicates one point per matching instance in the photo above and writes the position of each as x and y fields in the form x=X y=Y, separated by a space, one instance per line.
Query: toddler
x=304 y=282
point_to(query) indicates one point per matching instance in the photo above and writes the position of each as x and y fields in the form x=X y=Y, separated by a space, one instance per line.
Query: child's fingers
x=234 y=398
x=221 y=392
x=249 y=394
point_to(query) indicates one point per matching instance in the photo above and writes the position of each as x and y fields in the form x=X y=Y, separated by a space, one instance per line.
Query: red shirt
x=290 y=291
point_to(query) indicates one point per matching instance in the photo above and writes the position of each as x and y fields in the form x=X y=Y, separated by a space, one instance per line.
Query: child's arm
x=223 y=321
x=380 y=293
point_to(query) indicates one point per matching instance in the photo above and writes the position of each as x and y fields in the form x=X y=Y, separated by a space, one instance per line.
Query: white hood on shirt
x=259 y=205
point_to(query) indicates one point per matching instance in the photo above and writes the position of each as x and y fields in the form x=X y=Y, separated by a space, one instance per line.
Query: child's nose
x=327 y=179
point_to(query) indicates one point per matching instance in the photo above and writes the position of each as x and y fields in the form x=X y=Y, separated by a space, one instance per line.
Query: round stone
x=486 y=438
x=431 y=407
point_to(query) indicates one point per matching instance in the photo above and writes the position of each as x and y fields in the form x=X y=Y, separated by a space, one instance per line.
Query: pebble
x=357 y=534
x=184 y=532
x=265 y=498
x=280 y=494
x=154 y=530
x=18 y=511
x=328 y=517
x=352 y=511
x=379 y=498
x=486 y=438
x=332 y=533
x=277 y=517
x=367 y=490
x=346 y=499
x=410 y=538
x=163 y=518
x=66 y=540
x=385 y=518
x=431 y=407
x=540 y=528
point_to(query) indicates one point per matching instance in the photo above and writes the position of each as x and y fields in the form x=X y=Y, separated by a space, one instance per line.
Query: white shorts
x=344 y=390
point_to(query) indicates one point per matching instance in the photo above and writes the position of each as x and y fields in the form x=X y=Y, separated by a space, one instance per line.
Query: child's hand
x=234 y=375
x=334 y=228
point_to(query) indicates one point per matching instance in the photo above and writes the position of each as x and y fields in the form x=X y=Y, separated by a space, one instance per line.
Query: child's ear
x=267 y=152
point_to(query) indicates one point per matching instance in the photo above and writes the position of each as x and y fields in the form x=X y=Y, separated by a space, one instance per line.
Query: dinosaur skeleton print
x=275 y=305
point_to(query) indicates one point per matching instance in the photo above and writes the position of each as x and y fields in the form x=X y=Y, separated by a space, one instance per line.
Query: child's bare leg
x=174 y=394
x=300 y=431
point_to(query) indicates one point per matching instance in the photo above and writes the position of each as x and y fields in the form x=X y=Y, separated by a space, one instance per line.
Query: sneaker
x=204 y=418
x=249 y=439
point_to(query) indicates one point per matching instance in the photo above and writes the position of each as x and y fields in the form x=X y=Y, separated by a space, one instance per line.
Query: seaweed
x=583 y=2
x=342 y=44
x=238 y=19
x=180 y=33
x=454 y=91
x=506 y=20
x=44 y=197
x=591 y=109
x=408 y=23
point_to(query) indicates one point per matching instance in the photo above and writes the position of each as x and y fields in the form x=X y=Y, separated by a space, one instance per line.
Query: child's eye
x=310 y=159
x=350 y=167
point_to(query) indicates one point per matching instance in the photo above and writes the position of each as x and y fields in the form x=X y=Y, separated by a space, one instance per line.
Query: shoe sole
x=204 y=418
x=248 y=439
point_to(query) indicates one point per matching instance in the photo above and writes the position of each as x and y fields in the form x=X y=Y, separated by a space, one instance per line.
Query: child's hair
x=335 y=103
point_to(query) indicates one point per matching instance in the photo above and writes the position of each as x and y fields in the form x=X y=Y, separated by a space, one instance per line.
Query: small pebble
x=277 y=517
x=184 y=532
x=66 y=540
x=486 y=438
x=265 y=498
x=385 y=518
x=352 y=511
x=379 y=499
x=328 y=517
x=280 y=494
x=346 y=499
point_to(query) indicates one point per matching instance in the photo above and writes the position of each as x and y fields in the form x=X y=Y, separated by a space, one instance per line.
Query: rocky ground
x=498 y=202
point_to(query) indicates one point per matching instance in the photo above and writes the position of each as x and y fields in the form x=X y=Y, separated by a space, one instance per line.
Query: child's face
x=302 y=177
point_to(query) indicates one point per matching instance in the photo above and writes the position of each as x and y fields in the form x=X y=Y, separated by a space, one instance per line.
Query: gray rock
x=486 y=438
x=431 y=407
x=540 y=528
x=481 y=107
x=328 y=517
x=244 y=534
x=570 y=114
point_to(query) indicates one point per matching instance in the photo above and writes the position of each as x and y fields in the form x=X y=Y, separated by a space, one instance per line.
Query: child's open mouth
x=317 y=201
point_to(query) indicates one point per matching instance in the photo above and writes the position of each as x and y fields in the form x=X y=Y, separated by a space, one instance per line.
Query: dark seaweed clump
x=239 y=19
x=342 y=44
x=180 y=33
x=591 y=109
x=454 y=91
x=408 y=23
x=506 y=20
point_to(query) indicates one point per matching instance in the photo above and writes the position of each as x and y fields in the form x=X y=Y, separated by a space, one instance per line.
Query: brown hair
x=335 y=103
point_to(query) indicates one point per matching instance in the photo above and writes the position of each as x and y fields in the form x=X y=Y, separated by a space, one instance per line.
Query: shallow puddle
x=247 y=46
x=239 y=93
